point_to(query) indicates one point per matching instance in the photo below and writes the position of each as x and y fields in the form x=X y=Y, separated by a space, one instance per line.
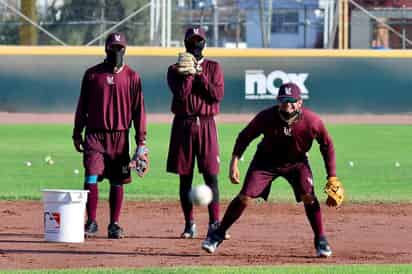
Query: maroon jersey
x=197 y=95
x=283 y=144
x=111 y=102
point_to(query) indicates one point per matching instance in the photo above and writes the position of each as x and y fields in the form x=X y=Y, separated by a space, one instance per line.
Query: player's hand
x=234 y=174
x=78 y=143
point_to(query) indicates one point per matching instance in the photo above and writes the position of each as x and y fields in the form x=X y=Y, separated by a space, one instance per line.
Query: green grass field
x=373 y=149
x=374 y=177
x=321 y=269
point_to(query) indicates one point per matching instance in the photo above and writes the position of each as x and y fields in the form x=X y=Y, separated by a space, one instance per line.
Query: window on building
x=285 y=21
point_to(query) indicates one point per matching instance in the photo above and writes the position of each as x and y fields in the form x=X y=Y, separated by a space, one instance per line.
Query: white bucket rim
x=63 y=190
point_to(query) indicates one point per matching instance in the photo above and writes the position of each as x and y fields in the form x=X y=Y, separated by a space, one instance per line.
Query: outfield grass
x=374 y=150
x=321 y=269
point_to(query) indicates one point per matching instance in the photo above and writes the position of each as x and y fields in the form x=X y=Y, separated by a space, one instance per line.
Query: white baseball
x=47 y=159
x=201 y=195
x=76 y=171
x=28 y=163
x=351 y=164
x=397 y=164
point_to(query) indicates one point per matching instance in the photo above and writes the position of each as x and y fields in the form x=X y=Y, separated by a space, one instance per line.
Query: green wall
x=50 y=83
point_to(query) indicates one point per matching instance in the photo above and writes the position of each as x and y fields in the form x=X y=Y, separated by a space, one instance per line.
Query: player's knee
x=307 y=199
x=246 y=200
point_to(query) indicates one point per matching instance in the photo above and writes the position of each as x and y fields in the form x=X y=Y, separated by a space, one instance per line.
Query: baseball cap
x=195 y=31
x=289 y=92
x=116 y=38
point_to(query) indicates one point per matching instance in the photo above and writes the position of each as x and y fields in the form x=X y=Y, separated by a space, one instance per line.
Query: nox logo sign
x=259 y=86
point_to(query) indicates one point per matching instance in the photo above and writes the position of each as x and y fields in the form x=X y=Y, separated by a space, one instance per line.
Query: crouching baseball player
x=111 y=99
x=288 y=132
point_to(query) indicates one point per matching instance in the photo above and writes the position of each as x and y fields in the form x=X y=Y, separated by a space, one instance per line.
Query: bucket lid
x=63 y=190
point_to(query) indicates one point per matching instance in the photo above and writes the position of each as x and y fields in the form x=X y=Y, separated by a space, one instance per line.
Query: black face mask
x=195 y=47
x=114 y=56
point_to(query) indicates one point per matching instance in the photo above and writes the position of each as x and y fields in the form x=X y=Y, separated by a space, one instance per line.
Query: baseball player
x=197 y=86
x=288 y=131
x=111 y=99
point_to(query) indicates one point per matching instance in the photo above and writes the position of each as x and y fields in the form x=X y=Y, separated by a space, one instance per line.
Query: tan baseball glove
x=186 y=63
x=335 y=191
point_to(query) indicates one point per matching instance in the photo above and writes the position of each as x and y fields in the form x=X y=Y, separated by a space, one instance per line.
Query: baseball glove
x=335 y=191
x=186 y=63
x=142 y=167
x=140 y=161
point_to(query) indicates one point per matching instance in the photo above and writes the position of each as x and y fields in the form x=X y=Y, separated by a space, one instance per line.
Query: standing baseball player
x=111 y=99
x=288 y=132
x=197 y=86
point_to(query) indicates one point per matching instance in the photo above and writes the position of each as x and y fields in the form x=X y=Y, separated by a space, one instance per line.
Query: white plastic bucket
x=64 y=212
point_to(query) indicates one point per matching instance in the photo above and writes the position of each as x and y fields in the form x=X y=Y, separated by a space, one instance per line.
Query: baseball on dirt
x=201 y=195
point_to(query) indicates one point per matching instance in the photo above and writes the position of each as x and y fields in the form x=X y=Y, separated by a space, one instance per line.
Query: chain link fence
x=229 y=23
x=383 y=24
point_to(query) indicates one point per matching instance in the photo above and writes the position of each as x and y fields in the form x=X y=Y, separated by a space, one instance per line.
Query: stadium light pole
x=102 y=20
x=215 y=23
x=202 y=11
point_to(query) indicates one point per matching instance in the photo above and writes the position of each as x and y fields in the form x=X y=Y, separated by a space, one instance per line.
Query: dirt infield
x=267 y=234
x=67 y=118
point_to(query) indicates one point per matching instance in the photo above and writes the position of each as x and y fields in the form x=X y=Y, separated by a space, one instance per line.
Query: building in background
x=285 y=23
x=366 y=32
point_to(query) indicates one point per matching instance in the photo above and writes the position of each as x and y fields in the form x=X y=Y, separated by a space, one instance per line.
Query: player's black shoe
x=213 y=227
x=90 y=229
x=212 y=241
x=114 y=231
x=322 y=247
x=189 y=232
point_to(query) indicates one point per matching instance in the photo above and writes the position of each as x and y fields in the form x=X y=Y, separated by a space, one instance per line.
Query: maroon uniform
x=109 y=102
x=283 y=151
x=197 y=86
x=111 y=99
x=288 y=131
x=196 y=100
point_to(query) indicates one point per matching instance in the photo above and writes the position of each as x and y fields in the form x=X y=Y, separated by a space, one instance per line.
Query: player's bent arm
x=248 y=134
x=234 y=173
x=214 y=87
x=180 y=85
x=327 y=150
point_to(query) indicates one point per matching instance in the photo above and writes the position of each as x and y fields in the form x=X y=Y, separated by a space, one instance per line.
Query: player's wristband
x=142 y=150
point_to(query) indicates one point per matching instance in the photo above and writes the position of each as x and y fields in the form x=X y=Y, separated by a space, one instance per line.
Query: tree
x=77 y=22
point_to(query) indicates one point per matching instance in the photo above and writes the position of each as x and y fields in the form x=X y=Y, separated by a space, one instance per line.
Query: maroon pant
x=258 y=180
x=106 y=154
x=193 y=138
